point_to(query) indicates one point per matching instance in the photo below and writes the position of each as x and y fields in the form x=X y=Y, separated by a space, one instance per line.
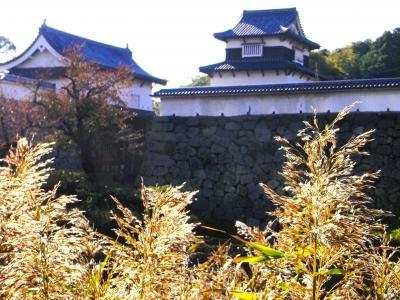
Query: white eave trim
x=40 y=45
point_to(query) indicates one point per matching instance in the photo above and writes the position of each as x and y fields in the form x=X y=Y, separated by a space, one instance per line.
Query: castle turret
x=266 y=46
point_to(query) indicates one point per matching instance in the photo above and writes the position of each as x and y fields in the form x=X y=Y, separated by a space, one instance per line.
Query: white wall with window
x=138 y=95
x=267 y=42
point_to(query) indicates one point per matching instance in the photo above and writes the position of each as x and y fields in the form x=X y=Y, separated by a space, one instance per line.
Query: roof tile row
x=273 y=89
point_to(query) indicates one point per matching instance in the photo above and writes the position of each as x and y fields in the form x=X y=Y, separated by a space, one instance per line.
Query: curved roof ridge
x=254 y=11
x=302 y=33
x=268 y=22
x=103 y=54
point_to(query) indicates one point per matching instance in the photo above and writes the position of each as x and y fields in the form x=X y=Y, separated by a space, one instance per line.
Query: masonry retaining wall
x=226 y=157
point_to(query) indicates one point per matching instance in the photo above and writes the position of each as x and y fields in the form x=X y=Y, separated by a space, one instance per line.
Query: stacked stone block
x=225 y=158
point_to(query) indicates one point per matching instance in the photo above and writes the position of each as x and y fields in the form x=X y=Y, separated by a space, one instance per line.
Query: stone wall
x=226 y=157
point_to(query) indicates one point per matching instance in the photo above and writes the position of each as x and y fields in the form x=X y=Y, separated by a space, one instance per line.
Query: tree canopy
x=200 y=80
x=363 y=59
x=6 y=45
x=88 y=109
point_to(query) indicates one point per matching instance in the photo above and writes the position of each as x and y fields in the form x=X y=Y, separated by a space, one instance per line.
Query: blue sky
x=172 y=38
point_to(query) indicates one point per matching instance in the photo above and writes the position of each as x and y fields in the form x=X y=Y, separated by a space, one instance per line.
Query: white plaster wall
x=372 y=100
x=16 y=91
x=299 y=55
x=42 y=60
x=268 y=42
x=256 y=77
x=138 y=96
x=135 y=96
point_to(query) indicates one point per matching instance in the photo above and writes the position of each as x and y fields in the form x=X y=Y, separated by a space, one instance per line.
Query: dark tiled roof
x=266 y=23
x=258 y=64
x=16 y=78
x=102 y=54
x=275 y=89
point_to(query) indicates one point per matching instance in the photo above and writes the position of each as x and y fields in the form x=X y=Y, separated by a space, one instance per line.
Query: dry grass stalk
x=383 y=271
x=327 y=227
x=150 y=258
x=217 y=277
x=49 y=252
x=45 y=249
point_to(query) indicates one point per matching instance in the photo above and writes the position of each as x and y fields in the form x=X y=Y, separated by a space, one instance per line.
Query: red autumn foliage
x=88 y=108
x=17 y=118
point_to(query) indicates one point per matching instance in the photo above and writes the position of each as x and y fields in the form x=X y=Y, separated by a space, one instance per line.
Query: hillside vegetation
x=363 y=59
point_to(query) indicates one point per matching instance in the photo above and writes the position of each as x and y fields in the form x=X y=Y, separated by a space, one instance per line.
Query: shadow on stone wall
x=226 y=157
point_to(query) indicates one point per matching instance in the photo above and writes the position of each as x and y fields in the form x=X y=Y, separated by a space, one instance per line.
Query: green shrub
x=395 y=236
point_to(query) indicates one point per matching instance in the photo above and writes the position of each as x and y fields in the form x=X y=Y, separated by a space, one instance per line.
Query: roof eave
x=223 y=36
x=220 y=36
x=211 y=69
x=311 y=44
x=31 y=81
x=152 y=79
x=206 y=70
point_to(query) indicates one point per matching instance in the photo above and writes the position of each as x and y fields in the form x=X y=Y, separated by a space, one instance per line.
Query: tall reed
x=46 y=250
x=328 y=229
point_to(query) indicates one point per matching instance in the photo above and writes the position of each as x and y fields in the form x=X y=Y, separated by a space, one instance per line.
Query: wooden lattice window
x=252 y=50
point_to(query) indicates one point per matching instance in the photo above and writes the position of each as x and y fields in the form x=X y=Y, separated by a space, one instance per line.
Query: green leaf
x=251 y=259
x=222 y=231
x=337 y=271
x=193 y=248
x=265 y=250
x=284 y=286
x=244 y=295
x=104 y=263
